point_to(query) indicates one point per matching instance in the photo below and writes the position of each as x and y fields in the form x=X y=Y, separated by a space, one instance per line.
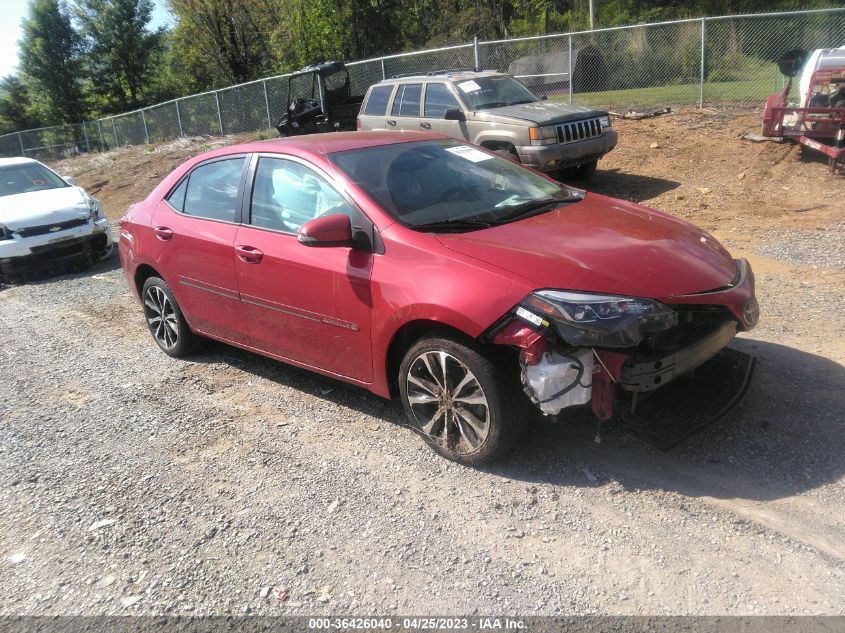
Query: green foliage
x=50 y=59
x=16 y=112
x=120 y=52
x=222 y=42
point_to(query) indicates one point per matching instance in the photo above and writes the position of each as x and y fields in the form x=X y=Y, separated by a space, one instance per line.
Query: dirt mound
x=701 y=169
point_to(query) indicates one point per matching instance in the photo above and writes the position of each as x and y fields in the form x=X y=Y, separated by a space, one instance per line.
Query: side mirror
x=544 y=97
x=454 y=114
x=68 y=179
x=329 y=230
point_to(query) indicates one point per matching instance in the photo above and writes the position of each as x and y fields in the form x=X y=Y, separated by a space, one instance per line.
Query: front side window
x=438 y=99
x=377 y=103
x=407 y=101
x=287 y=194
x=28 y=177
x=445 y=185
x=212 y=190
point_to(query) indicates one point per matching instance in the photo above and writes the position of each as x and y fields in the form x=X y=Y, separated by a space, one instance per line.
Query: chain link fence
x=719 y=60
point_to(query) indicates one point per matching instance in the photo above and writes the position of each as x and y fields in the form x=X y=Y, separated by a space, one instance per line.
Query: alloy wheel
x=448 y=402
x=161 y=317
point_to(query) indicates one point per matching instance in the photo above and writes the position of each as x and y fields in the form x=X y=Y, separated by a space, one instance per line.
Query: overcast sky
x=13 y=11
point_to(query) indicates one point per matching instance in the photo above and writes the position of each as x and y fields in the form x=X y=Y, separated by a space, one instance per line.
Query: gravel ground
x=132 y=483
x=135 y=483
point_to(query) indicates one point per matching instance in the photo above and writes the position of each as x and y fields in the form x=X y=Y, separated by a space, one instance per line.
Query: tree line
x=82 y=59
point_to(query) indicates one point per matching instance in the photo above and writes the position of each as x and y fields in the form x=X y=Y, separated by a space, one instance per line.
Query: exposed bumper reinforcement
x=648 y=375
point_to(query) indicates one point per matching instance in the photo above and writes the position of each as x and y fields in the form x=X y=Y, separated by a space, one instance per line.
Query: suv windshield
x=28 y=177
x=444 y=185
x=483 y=93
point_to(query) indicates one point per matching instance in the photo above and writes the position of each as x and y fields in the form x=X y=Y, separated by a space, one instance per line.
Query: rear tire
x=164 y=318
x=459 y=401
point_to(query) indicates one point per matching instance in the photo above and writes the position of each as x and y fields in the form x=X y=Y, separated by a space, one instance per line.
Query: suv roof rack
x=443 y=71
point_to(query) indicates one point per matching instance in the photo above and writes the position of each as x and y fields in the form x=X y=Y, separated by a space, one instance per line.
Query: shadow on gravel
x=317 y=385
x=785 y=437
x=65 y=271
x=612 y=182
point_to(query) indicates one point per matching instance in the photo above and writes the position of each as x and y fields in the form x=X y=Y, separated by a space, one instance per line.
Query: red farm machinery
x=817 y=120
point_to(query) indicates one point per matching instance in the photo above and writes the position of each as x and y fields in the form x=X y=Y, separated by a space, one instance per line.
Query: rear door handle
x=425 y=125
x=249 y=254
x=391 y=122
x=163 y=233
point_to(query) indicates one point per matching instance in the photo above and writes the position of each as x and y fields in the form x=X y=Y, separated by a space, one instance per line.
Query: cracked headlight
x=588 y=320
x=604 y=122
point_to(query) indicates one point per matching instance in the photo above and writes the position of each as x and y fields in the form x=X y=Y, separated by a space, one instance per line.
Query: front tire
x=459 y=401
x=165 y=320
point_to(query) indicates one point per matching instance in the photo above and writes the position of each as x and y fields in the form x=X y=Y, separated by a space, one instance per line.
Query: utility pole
x=592 y=15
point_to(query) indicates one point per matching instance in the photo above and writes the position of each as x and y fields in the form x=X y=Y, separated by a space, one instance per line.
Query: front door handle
x=249 y=254
x=391 y=122
x=163 y=233
x=425 y=125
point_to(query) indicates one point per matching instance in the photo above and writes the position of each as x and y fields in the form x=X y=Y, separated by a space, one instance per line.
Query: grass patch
x=753 y=90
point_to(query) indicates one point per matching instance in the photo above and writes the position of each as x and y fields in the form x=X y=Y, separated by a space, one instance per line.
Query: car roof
x=327 y=143
x=449 y=75
x=17 y=160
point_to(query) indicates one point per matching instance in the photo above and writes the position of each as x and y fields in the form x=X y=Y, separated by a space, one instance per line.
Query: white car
x=45 y=221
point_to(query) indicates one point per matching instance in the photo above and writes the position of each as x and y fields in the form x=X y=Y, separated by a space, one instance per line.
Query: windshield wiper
x=524 y=101
x=527 y=209
x=492 y=104
x=452 y=224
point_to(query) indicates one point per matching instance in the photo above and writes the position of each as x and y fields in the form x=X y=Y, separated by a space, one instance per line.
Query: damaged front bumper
x=648 y=374
x=87 y=243
x=557 y=374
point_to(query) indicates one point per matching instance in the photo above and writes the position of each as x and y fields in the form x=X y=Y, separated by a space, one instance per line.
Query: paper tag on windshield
x=470 y=153
x=469 y=86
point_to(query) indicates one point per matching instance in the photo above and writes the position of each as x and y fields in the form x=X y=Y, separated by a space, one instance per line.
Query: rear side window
x=407 y=100
x=438 y=99
x=212 y=190
x=177 y=197
x=377 y=103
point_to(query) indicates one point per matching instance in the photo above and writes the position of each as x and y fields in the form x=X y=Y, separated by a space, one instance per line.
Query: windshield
x=445 y=185
x=483 y=93
x=28 y=177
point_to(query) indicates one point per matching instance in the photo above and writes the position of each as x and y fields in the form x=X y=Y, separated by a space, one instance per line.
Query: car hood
x=603 y=245
x=38 y=208
x=541 y=112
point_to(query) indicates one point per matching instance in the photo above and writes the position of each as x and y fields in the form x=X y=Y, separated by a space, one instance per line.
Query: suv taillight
x=357 y=124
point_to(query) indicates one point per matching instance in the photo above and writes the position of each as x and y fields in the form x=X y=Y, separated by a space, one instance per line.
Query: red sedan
x=418 y=266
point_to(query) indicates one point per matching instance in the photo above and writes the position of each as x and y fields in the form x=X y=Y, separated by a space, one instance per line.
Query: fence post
x=219 y=116
x=179 y=118
x=267 y=105
x=102 y=138
x=20 y=140
x=569 y=75
x=146 y=131
x=476 y=54
x=114 y=130
x=701 y=94
x=85 y=132
x=383 y=73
